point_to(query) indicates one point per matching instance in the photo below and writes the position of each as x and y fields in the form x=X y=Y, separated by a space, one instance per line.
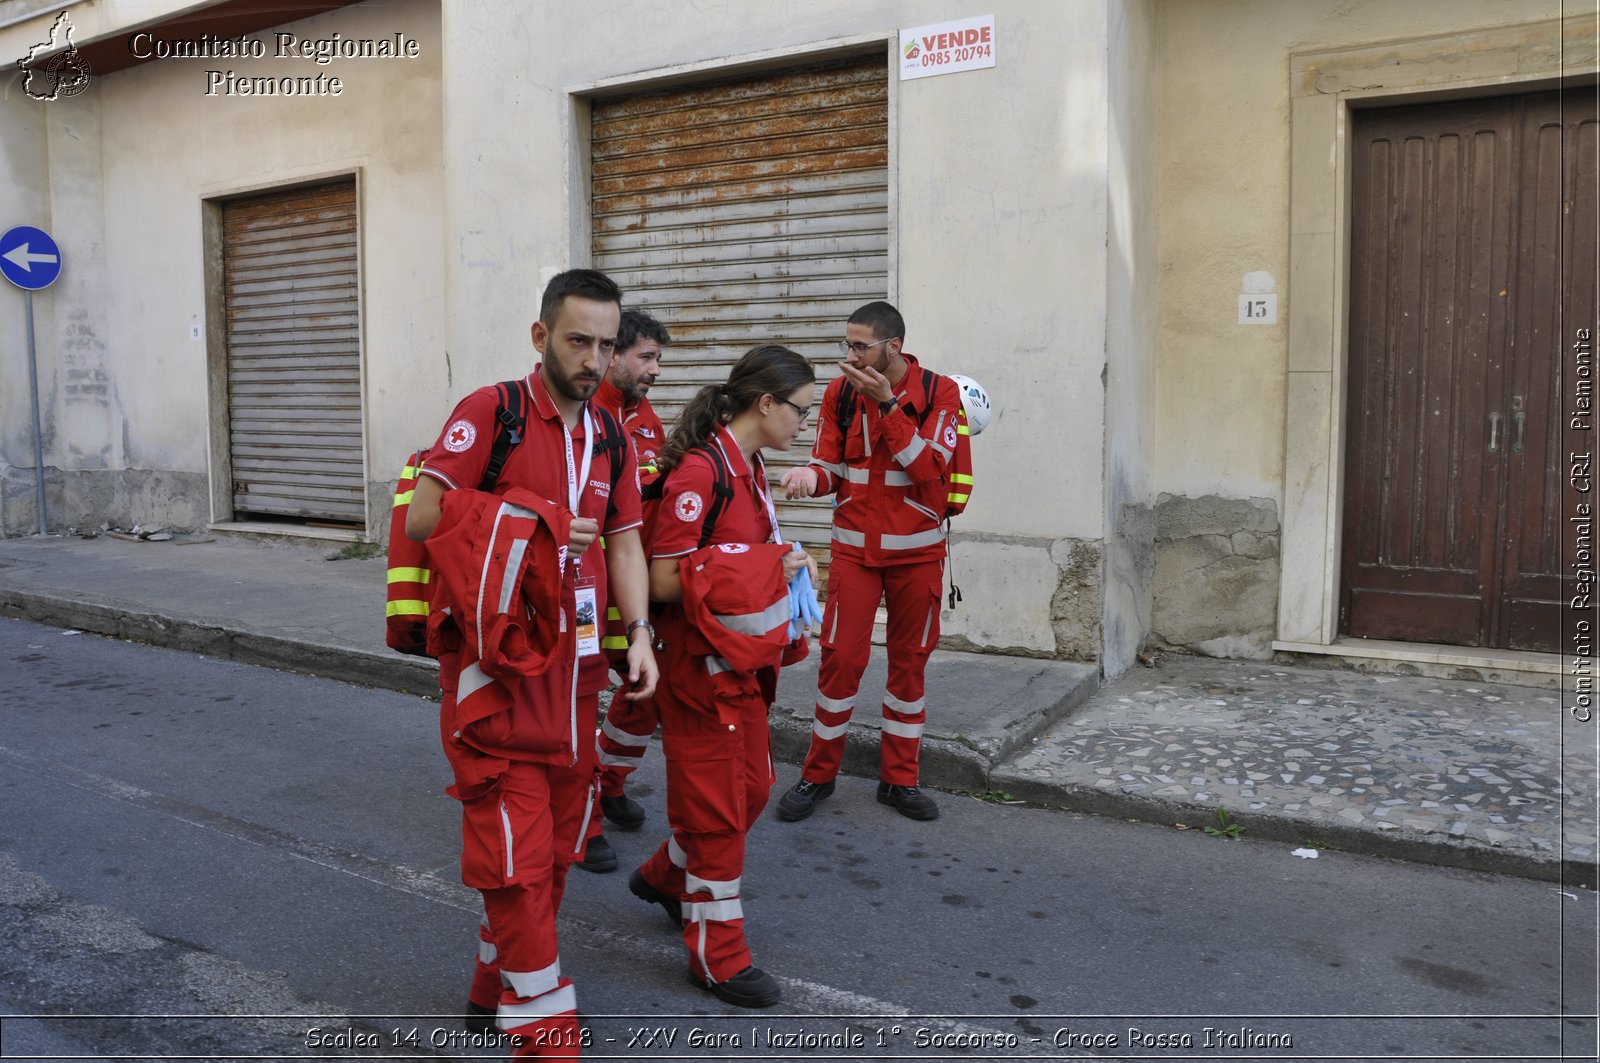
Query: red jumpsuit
x=887 y=472
x=714 y=695
x=625 y=733
x=539 y=804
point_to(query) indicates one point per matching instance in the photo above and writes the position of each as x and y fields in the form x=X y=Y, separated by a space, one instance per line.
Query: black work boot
x=479 y=1019
x=598 y=856
x=646 y=892
x=750 y=988
x=623 y=810
x=908 y=801
x=801 y=800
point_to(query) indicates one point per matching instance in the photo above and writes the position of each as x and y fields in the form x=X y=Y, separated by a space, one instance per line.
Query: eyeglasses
x=860 y=348
x=804 y=412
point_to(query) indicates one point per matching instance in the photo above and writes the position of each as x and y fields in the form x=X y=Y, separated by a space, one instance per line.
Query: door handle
x=1494 y=433
x=1522 y=428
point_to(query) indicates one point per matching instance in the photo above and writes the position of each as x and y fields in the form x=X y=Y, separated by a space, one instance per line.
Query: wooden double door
x=1472 y=279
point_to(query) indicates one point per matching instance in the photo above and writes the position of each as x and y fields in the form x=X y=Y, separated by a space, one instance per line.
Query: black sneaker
x=479 y=1019
x=623 y=810
x=750 y=988
x=801 y=800
x=908 y=801
x=646 y=892
x=598 y=856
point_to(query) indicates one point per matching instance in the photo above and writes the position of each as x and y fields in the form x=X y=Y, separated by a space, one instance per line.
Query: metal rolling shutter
x=294 y=364
x=743 y=212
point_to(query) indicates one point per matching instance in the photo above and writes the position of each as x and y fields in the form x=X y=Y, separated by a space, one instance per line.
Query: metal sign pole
x=33 y=388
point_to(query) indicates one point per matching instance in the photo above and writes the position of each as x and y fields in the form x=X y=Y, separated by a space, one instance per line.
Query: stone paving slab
x=1472 y=774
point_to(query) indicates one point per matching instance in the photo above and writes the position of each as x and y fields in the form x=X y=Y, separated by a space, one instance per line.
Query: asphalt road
x=205 y=859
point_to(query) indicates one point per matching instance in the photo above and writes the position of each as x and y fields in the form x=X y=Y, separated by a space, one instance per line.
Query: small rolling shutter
x=294 y=363
x=743 y=212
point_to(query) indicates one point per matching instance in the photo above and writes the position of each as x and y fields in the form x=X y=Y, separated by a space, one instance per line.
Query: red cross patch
x=460 y=436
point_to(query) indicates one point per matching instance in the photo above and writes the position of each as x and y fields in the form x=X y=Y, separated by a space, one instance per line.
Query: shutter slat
x=748 y=211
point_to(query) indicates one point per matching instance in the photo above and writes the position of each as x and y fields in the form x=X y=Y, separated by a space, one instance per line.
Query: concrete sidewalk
x=1469 y=774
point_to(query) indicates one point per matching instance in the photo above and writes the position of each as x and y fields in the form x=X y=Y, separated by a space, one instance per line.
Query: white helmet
x=975 y=401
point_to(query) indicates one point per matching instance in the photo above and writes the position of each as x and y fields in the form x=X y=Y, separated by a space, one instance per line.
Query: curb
x=389 y=671
x=1401 y=844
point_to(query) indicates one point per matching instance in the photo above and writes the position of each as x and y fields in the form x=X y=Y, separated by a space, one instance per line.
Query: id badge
x=588 y=624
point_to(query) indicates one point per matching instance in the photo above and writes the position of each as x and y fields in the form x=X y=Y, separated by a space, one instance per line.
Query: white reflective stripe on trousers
x=675 y=853
x=827 y=733
x=836 y=704
x=720 y=889
x=533 y=983
x=902 y=730
x=559 y=1002
x=716 y=912
x=505 y=826
x=904 y=708
x=849 y=536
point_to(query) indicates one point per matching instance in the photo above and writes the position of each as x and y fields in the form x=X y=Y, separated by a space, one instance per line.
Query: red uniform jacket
x=888 y=474
x=501 y=620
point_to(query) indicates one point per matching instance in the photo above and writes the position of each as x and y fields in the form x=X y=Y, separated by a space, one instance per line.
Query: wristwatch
x=641 y=622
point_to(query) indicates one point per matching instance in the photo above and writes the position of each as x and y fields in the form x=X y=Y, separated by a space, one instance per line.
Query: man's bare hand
x=643 y=672
x=800 y=482
x=868 y=382
x=585 y=530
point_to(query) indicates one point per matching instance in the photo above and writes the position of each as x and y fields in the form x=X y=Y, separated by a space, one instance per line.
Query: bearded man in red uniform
x=625 y=733
x=886 y=463
x=526 y=782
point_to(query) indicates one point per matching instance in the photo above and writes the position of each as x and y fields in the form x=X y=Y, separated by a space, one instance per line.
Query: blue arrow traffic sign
x=29 y=258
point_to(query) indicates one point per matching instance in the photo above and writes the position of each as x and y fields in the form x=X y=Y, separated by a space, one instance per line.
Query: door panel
x=1430 y=219
x=1555 y=285
x=1472 y=267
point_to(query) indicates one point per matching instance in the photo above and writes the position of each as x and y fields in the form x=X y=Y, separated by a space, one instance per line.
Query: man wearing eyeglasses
x=886 y=435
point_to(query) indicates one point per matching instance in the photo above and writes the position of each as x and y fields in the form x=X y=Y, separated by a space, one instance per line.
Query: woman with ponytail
x=720 y=566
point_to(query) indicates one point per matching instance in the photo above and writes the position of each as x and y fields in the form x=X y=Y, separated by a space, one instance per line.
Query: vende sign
x=947 y=48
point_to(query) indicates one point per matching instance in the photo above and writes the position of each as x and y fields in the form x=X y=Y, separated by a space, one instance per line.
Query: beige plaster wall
x=130 y=162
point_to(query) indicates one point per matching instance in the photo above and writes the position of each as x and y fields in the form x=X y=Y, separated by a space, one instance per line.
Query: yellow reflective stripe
x=613 y=613
x=410 y=575
x=962 y=429
x=602 y=542
x=409 y=472
x=614 y=642
x=411 y=607
x=960 y=478
x=403 y=499
x=953 y=497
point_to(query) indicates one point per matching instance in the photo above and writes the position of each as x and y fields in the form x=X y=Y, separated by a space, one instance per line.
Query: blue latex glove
x=804 y=610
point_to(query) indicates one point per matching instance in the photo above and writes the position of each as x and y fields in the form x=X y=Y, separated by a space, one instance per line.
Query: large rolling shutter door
x=743 y=212
x=294 y=365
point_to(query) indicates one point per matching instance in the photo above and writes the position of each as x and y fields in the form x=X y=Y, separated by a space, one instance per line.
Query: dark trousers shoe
x=479 y=1019
x=908 y=801
x=646 y=892
x=598 y=856
x=801 y=799
x=623 y=810
x=750 y=988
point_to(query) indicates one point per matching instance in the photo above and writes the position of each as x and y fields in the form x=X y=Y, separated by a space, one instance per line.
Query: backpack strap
x=609 y=440
x=721 y=494
x=512 y=415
